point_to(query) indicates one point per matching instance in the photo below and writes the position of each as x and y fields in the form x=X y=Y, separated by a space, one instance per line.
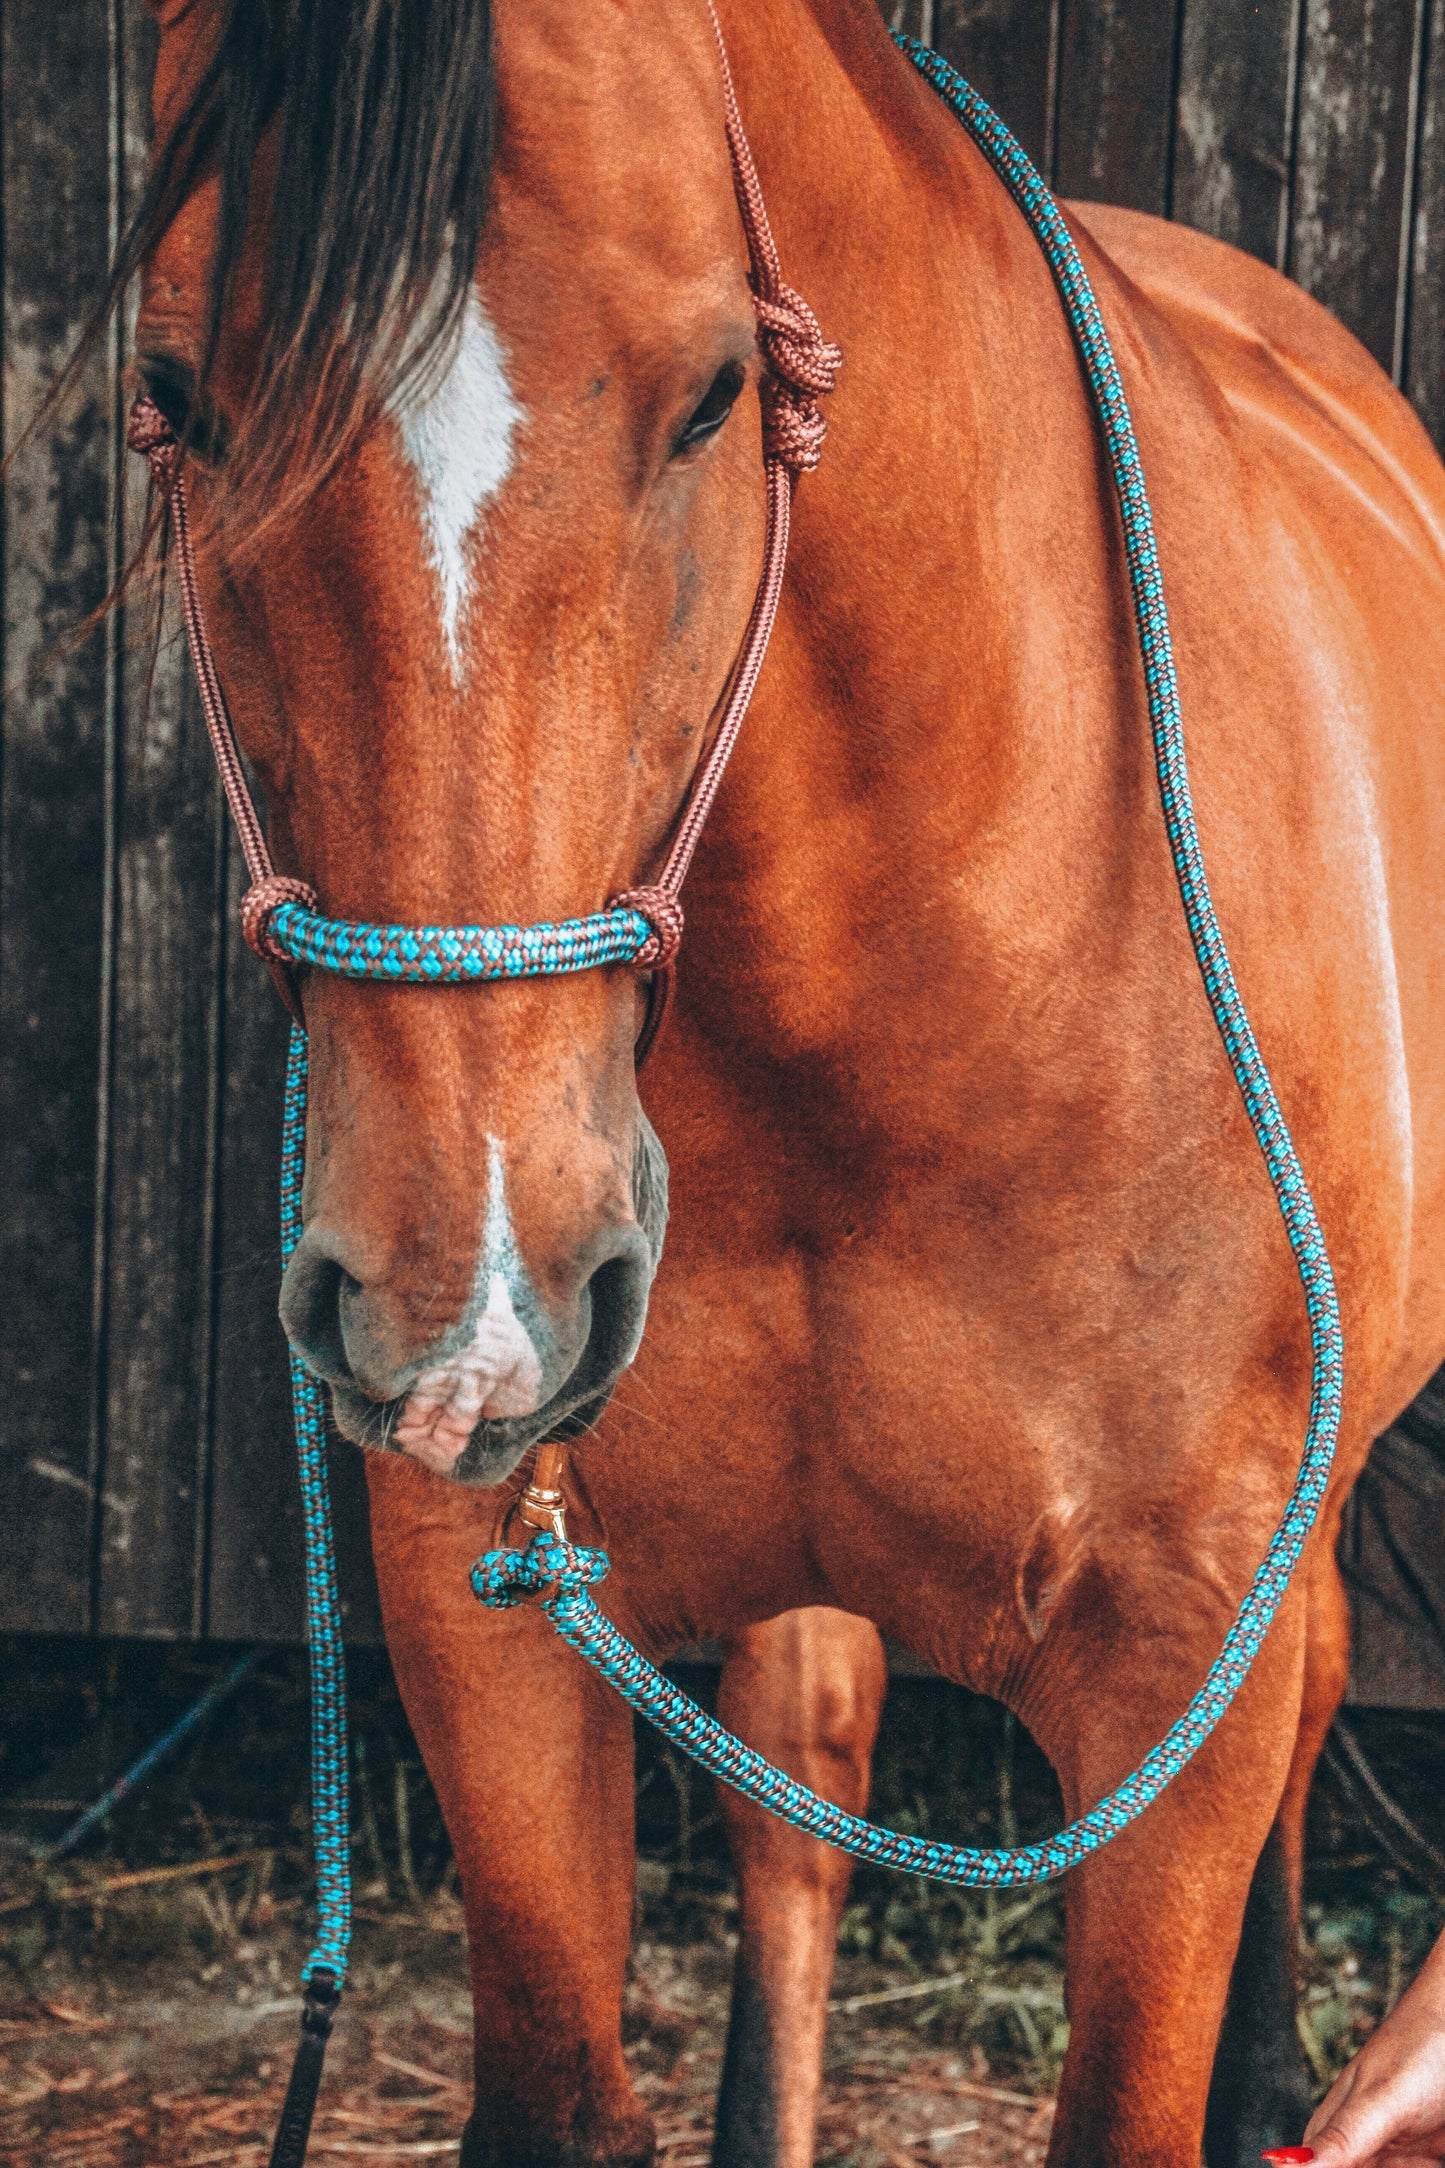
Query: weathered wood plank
x=914 y=17
x=166 y=1044
x=1006 y=49
x=1423 y=339
x=164 y=1033
x=1352 y=161
x=56 y=66
x=1235 y=125
x=255 y=1528
x=1117 y=63
x=1394 y=1562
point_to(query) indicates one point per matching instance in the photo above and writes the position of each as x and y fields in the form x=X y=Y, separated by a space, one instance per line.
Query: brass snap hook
x=542 y=1507
x=542 y=1504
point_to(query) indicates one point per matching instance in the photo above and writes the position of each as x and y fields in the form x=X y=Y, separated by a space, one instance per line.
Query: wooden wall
x=1310 y=132
x=146 y=1484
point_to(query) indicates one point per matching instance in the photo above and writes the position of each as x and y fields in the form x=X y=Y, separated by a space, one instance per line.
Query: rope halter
x=281 y=916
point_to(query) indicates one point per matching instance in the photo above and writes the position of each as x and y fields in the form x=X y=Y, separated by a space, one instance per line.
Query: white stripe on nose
x=497 y=1373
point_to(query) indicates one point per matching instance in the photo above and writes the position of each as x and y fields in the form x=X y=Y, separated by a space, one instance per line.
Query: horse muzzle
x=511 y=1372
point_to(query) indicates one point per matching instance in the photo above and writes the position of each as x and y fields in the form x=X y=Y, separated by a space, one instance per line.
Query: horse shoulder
x=1289 y=371
x=1337 y=511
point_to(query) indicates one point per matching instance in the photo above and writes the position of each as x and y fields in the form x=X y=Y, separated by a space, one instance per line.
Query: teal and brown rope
x=562 y=1573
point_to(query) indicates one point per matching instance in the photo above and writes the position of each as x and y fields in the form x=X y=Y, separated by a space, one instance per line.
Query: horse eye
x=716 y=405
x=171 y=385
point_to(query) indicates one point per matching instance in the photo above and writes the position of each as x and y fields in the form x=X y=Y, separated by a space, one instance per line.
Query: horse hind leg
x=1261 y=2093
x=805 y=1689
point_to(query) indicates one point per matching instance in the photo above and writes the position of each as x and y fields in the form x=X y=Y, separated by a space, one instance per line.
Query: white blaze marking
x=459 y=441
x=497 y=1373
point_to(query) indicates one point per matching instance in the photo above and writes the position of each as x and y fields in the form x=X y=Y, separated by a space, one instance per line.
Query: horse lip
x=495 y=1446
x=611 y=1320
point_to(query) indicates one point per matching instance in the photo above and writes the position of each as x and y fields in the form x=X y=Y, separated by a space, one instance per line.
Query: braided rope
x=447 y=955
x=561 y=1574
x=330 y=1805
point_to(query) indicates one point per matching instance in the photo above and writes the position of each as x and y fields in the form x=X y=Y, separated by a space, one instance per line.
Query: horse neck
x=942 y=702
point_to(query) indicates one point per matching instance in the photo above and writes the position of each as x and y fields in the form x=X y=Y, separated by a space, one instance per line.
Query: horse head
x=455 y=330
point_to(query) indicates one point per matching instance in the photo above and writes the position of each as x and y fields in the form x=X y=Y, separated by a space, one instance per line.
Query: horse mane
x=382 y=119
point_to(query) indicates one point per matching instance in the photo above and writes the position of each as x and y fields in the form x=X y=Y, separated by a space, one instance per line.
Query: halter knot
x=663 y=913
x=257 y=905
x=149 y=433
x=802 y=369
x=503 y=1579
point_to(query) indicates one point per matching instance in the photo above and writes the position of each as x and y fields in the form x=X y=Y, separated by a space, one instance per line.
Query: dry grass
x=147 y=1987
x=156 y=2064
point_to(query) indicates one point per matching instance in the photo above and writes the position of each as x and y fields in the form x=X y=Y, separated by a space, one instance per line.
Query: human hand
x=1388 y=2107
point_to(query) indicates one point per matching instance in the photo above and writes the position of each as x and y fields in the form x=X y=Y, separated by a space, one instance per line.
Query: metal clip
x=542 y=1504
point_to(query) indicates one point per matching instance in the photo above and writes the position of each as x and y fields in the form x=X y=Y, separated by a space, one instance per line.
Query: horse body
x=976 y=1317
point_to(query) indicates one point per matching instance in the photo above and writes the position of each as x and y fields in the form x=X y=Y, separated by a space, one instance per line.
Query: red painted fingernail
x=1289 y=2152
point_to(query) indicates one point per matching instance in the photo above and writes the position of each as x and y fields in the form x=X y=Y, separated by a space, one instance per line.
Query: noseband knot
x=663 y=913
x=802 y=368
x=260 y=900
x=149 y=433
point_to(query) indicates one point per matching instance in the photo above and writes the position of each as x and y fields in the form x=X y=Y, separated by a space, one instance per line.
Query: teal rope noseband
x=563 y=1573
x=450 y=955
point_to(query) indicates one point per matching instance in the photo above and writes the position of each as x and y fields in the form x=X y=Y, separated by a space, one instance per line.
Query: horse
x=974 y=1323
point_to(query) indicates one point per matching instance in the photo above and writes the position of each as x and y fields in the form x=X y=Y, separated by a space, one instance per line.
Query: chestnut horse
x=976 y=1320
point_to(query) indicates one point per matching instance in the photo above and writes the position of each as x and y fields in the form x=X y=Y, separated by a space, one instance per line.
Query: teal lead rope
x=324 y=1973
x=330 y=1815
x=562 y=1573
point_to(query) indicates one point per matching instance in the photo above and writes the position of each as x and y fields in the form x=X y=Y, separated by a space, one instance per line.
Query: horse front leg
x=1154 y=1919
x=805 y=1689
x=1261 y=2093
x=532 y=1760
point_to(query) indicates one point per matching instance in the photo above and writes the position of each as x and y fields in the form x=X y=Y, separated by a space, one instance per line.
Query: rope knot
x=503 y=1579
x=149 y=433
x=802 y=368
x=257 y=905
x=663 y=913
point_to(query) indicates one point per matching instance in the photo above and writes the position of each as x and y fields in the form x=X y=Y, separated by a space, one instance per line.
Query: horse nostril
x=616 y=1298
x=313 y=1293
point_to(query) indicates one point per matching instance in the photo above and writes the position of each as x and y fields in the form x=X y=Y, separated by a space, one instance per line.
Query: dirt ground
x=161 y=2065
x=148 y=1996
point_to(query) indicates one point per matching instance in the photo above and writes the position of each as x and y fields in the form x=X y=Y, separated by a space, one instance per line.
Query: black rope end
x=318 y=2011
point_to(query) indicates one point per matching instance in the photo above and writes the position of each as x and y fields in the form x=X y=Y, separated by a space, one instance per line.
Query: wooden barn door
x=146 y=1484
x=146 y=1479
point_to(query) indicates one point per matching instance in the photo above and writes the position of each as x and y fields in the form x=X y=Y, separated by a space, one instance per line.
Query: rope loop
x=257 y=905
x=663 y=912
x=802 y=368
x=504 y=1579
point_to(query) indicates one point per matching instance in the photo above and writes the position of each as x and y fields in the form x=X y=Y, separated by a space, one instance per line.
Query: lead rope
x=642 y=926
x=562 y=1573
x=324 y=1973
